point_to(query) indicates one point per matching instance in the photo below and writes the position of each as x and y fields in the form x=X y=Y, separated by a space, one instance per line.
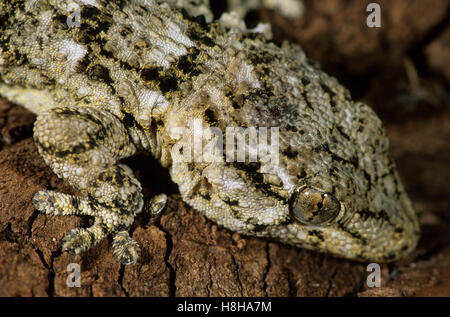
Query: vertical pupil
x=311 y=206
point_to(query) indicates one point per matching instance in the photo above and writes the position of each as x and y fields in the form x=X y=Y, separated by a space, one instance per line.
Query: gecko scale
x=132 y=73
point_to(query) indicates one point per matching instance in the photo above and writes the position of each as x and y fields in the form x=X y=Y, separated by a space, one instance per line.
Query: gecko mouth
x=379 y=236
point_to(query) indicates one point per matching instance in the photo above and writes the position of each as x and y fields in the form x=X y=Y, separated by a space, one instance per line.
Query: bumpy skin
x=134 y=72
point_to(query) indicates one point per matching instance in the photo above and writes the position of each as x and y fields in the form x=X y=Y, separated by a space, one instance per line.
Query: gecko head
x=342 y=217
x=342 y=197
x=328 y=222
x=330 y=185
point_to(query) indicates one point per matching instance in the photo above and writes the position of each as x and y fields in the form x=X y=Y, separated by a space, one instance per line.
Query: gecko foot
x=155 y=205
x=125 y=249
x=80 y=239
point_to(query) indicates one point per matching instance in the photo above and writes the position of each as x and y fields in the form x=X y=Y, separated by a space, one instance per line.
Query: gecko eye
x=313 y=207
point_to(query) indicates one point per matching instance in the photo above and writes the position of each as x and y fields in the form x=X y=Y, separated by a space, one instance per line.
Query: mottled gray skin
x=134 y=72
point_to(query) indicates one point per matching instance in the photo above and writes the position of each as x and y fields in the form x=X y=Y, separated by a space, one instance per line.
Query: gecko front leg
x=83 y=146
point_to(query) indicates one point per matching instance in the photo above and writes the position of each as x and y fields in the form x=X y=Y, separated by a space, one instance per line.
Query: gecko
x=109 y=79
